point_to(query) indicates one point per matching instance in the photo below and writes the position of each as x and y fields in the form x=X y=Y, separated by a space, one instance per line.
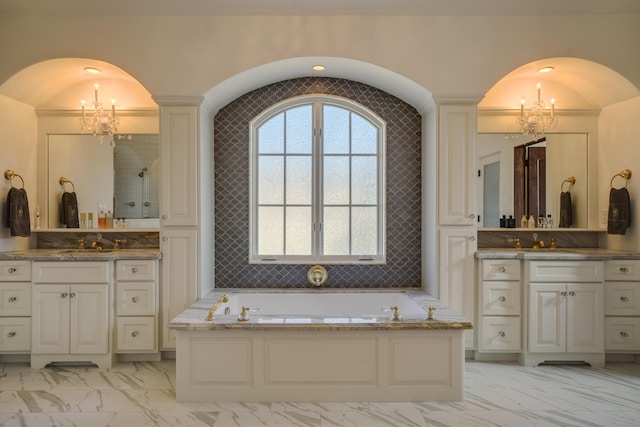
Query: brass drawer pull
x=624 y=334
x=624 y=270
x=502 y=299
x=624 y=299
x=134 y=270
x=572 y=294
x=134 y=299
x=13 y=299
x=11 y=270
x=502 y=334
x=503 y=269
x=11 y=334
x=134 y=334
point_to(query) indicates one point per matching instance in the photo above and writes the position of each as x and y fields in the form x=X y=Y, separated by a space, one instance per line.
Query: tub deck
x=315 y=357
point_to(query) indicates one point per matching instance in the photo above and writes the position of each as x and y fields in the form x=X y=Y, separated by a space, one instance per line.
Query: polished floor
x=496 y=394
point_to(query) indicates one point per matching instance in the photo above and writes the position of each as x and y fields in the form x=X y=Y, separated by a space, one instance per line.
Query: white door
x=547 y=318
x=585 y=318
x=89 y=327
x=50 y=319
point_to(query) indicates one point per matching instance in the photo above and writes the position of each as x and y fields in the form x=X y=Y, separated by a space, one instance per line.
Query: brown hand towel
x=619 y=211
x=69 y=210
x=17 y=214
x=566 y=213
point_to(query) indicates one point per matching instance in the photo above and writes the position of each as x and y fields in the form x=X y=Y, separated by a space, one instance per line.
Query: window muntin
x=317 y=183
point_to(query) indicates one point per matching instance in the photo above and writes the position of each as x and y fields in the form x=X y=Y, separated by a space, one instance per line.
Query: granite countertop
x=80 y=254
x=193 y=318
x=555 y=254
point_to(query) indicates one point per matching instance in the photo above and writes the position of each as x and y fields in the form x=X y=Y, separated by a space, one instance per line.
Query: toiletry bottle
x=109 y=219
x=523 y=222
x=549 y=221
x=83 y=220
x=503 y=221
x=90 y=220
x=38 y=217
x=102 y=220
x=532 y=222
x=511 y=222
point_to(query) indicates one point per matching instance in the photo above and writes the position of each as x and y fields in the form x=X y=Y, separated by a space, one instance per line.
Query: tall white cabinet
x=456 y=225
x=179 y=207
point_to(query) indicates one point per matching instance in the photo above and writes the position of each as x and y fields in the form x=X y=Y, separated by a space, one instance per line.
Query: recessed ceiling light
x=318 y=67
x=546 y=69
x=92 y=70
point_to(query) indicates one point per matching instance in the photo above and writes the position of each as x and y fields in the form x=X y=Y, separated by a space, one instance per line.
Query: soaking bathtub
x=319 y=346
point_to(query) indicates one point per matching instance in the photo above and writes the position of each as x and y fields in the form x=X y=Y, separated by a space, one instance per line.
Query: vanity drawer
x=15 y=334
x=71 y=272
x=500 y=298
x=500 y=333
x=136 y=334
x=15 y=271
x=622 y=333
x=622 y=270
x=500 y=269
x=566 y=271
x=136 y=298
x=622 y=299
x=15 y=299
x=136 y=270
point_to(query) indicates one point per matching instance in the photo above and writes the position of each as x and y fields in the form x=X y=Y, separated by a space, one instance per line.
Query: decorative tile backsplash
x=231 y=166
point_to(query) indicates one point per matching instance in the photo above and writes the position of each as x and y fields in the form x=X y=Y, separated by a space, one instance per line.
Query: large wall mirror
x=519 y=175
x=124 y=178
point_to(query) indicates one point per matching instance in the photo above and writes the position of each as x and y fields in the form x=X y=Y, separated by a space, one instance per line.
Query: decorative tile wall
x=231 y=166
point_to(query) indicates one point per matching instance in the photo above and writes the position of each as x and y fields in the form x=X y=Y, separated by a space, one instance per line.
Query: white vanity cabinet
x=71 y=319
x=15 y=306
x=499 y=307
x=137 y=302
x=622 y=306
x=566 y=312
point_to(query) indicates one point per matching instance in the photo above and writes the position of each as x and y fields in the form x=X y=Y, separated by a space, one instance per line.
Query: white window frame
x=317 y=159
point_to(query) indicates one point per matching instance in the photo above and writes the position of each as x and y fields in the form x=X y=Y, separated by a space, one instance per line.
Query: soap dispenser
x=532 y=222
x=523 y=222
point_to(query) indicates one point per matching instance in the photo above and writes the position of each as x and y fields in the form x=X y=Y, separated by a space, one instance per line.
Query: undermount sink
x=85 y=251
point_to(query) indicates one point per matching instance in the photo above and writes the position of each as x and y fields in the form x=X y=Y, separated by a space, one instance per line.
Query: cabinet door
x=457 y=273
x=50 y=319
x=179 y=156
x=547 y=318
x=456 y=164
x=179 y=278
x=89 y=327
x=585 y=318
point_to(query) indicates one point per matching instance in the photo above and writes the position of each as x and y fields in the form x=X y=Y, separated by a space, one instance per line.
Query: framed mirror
x=519 y=176
x=124 y=179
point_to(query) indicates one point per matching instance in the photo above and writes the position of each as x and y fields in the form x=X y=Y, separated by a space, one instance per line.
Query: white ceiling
x=323 y=7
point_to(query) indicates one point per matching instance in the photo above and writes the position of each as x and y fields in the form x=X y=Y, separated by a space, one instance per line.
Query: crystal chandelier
x=538 y=119
x=97 y=120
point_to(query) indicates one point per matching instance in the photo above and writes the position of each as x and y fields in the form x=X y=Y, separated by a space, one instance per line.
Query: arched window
x=317 y=183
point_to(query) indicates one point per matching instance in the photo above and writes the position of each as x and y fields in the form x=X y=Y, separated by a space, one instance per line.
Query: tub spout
x=224 y=298
x=396 y=315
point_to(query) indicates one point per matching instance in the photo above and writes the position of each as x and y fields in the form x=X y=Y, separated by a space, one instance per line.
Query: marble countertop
x=555 y=254
x=80 y=254
x=193 y=318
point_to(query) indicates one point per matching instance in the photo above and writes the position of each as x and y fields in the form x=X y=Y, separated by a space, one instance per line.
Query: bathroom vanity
x=554 y=305
x=67 y=305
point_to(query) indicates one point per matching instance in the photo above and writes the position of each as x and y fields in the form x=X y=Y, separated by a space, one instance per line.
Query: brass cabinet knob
x=134 y=334
x=502 y=334
x=502 y=299
x=13 y=299
x=624 y=299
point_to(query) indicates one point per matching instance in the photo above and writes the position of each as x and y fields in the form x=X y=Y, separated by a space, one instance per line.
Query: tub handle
x=243 y=316
x=395 y=315
x=430 y=311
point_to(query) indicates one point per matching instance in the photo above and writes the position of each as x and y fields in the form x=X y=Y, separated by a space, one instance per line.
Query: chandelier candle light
x=98 y=121
x=538 y=119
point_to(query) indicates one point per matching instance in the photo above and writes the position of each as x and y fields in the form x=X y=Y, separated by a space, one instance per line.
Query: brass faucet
x=396 y=314
x=118 y=242
x=80 y=244
x=98 y=243
x=537 y=243
x=224 y=298
x=431 y=309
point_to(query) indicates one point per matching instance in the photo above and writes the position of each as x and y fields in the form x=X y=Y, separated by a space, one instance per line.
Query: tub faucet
x=537 y=243
x=396 y=314
x=224 y=298
x=98 y=243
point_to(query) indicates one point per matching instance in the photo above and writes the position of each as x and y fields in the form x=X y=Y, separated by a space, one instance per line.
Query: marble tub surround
x=565 y=238
x=193 y=318
x=89 y=254
x=64 y=238
x=595 y=254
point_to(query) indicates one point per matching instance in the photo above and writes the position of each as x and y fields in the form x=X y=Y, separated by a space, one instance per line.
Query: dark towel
x=619 y=211
x=17 y=213
x=566 y=213
x=69 y=210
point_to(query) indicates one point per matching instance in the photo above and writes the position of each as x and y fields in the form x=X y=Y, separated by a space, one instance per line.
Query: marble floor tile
x=141 y=394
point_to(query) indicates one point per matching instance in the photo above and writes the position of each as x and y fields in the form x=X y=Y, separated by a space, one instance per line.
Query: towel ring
x=64 y=181
x=9 y=174
x=571 y=181
x=626 y=174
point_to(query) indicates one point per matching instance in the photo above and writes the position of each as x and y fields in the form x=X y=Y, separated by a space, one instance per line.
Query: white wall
x=620 y=149
x=18 y=152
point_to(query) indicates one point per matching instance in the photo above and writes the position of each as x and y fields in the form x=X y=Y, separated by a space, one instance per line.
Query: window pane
x=364 y=231
x=271 y=135
x=364 y=136
x=336 y=180
x=364 y=180
x=270 y=180
x=298 y=231
x=336 y=231
x=270 y=230
x=298 y=180
x=299 y=130
x=335 y=130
